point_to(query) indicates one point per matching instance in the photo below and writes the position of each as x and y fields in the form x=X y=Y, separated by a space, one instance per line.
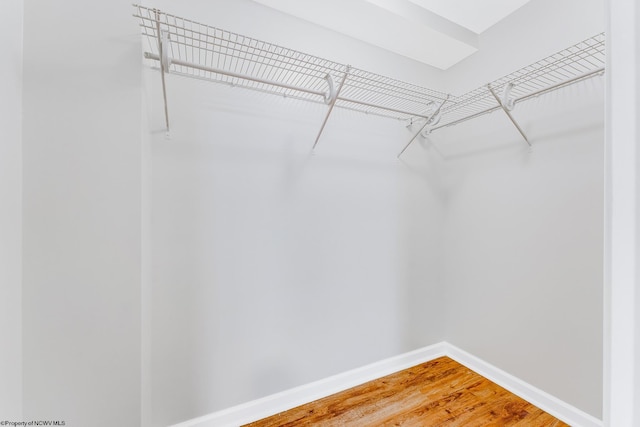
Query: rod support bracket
x=428 y=122
x=332 y=101
x=507 y=100
x=506 y=111
x=164 y=58
x=331 y=94
x=163 y=41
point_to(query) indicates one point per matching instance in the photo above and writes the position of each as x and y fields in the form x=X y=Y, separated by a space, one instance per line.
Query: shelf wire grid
x=199 y=50
x=575 y=63
x=210 y=53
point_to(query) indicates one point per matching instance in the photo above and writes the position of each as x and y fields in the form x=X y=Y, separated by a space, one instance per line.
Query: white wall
x=246 y=268
x=538 y=29
x=82 y=228
x=622 y=248
x=524 y=242
x=81 y=290
x=273 y=267
x=270 y=267
x=524 y=236
x=11 y=211
x=421 y=215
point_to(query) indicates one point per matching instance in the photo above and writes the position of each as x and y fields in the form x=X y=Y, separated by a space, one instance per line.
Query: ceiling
x=475 y=15
x=439 y=33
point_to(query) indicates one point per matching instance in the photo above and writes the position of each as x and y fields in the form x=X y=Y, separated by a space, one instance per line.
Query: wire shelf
x=210 y=53
x=578 y=62
x=184 y=47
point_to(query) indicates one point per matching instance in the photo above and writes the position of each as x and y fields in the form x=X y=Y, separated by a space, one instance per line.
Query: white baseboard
x=543 y=400
x=288 y=399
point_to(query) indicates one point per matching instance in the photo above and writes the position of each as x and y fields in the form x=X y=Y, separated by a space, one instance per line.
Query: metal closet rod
x=214 y=70
x=233 y=74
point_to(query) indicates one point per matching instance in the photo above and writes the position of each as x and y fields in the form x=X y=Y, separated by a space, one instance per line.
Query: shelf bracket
x=508 y=101
x=332 y=98
x=165 y=62
x=427 y=123
x=506 y=111
x=331 y=94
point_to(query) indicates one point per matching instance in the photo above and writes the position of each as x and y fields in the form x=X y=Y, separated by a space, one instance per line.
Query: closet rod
x=237 y=75
x=155 y=57
x=393 y=110
x=562 y=84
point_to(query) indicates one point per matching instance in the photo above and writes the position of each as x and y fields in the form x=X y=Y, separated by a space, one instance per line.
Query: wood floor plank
x=437 y=393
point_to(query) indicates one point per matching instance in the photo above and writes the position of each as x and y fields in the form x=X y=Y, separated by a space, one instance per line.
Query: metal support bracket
x=507 y=100
x=506 y=111
x=165 y=62
x=431 y=122
x=427 y=123
x=333 y=95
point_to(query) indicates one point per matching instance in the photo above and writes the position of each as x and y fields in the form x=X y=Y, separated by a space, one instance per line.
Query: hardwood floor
x=441 y=392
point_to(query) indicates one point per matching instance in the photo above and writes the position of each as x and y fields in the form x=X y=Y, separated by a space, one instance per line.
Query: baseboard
x=543 y=400
x=279 y=402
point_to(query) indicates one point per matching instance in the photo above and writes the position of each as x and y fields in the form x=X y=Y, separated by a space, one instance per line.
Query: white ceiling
x=439 y=33
x=476 y=15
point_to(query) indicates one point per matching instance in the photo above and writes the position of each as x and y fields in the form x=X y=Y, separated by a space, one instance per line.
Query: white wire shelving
x=184 y=47
x=576 y=63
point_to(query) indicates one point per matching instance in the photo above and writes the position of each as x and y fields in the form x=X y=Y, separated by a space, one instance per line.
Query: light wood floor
x=437 y=393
